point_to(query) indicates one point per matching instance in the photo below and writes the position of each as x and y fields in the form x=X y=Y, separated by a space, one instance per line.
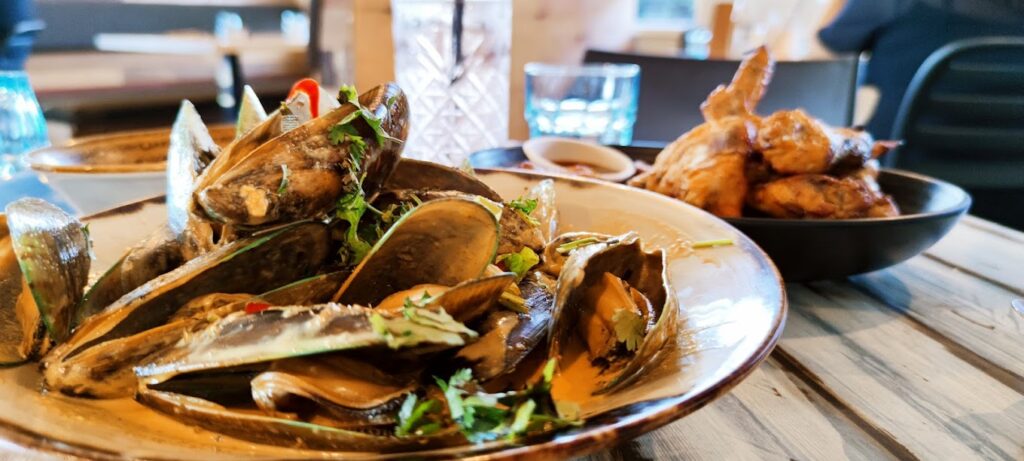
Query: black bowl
x=818 y=249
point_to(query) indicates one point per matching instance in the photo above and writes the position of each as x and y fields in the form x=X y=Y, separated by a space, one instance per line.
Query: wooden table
x=924 y=360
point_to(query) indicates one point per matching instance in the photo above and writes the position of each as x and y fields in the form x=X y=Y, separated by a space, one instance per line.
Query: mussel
x=52 y=250
x=441 y=242
x=301 y=173
x=349 y=393
x=105 y=370
x=244 y=338
x=21 y=330
x=272 y=259
x=190 y=151
x=616 y=299
x=274 y=430
x=158 y=254
x=507 y=337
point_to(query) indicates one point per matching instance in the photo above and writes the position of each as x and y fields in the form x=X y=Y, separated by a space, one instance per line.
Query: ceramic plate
x=733 y=307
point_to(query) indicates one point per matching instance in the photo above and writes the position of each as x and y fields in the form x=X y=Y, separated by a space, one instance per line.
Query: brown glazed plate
x=733 y=309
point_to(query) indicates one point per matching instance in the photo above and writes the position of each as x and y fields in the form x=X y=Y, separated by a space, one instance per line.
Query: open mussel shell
x=350 y=393
x=269 y=430
x=158 y=254
x=282 y=332
x=441 y=242
x=105 y=370
x=52 y=249
x=21 y=330
x=419 y=175
x=191 y=150
x=622 y=257
x=507 y=337
x=267 y=260
x=301 y=173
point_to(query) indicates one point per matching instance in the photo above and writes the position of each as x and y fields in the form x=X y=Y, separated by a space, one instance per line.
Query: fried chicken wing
x=705 y=167
x=812 y=196
x=740 y=97
x=793 y=142
x=819 y=196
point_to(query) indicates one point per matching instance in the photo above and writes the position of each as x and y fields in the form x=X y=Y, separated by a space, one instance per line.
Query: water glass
x=452 y=60
x=22 y=126
x=596 y=102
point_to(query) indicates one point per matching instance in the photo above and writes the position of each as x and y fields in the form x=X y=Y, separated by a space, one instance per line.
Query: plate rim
x=668 y=409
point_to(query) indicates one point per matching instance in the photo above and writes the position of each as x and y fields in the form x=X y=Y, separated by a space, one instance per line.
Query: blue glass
x=596 y=102
x=22 y=126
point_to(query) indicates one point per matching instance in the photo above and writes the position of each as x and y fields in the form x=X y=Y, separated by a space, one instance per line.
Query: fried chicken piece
x=706 y=167
x=793 y=142
x=815 y=196
x=884 y=205
x=740 y=97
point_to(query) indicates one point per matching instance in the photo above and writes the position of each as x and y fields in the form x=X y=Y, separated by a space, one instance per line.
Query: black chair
x=962 y=120
x=671 y=90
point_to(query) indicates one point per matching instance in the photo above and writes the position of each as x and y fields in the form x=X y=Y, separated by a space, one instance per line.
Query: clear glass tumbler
x=596 y=102
x=22 y=126
x=452 y=60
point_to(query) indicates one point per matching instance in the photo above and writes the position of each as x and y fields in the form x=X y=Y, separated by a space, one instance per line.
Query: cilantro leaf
x=348 y=93
x=526 y=205
x=414 y=418
x=350 y=209
x=629 y=328
x=520 y=263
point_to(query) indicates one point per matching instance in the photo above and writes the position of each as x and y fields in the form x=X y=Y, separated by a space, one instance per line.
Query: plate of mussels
x=304 y=292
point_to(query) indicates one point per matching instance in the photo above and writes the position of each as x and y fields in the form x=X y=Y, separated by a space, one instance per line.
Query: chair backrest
x=671 y=90
x=962 y=118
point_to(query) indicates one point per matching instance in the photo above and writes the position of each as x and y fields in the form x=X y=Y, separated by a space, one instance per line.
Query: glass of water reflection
x=596 y=102
x=22 y=126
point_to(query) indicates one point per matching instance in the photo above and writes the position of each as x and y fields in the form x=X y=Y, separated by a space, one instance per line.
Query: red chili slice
x=255 y=307
x=312 y=89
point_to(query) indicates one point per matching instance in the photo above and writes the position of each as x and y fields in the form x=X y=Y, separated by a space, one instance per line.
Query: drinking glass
x=596 y=102
x=22 y=126
x=452 y=60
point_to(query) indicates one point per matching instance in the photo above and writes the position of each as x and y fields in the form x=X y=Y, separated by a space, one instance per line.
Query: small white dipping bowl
x=548 y=152
x=96 y=173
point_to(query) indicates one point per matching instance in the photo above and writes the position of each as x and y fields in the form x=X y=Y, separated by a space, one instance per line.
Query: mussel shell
x=507 y=337
x=158 y=254
x=351 y=393
x=282 y=332
x=191 y=149
x=105 y=370
x=53 y=252
x=443 y=242
x=473 y=298
x=264 y=261
x=624 y=257
x=21 y=330
x=250 y=112
x=253 y=191
x=418 y=175
x=284 y=432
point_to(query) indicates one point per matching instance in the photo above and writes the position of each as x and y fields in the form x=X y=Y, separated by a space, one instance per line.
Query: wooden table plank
x=905 y=384
x=771 y=415
x=970 y=312
x=986 y=250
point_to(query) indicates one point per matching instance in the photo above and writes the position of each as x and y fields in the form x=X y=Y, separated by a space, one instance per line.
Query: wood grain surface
x=924 y=360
